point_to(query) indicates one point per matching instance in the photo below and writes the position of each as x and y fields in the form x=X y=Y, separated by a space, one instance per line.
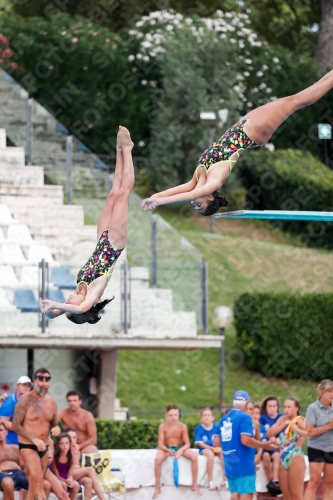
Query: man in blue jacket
x=239 y=446
x=23 y=385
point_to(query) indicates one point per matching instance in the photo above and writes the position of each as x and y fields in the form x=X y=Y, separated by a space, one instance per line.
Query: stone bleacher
x=35 y=223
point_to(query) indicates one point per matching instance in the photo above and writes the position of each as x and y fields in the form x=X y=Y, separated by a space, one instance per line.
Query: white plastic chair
x=5 y=305
x=2 y=238
x=29 y=277
x=39 y=252
x=6 y=218
x=11 y=254
x=8 y=278
x=20 y=234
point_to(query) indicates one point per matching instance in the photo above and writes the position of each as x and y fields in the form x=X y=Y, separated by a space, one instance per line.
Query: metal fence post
x=126 y=296
x=154 y=250
x=204 y=297
x=69 y=164
x=43 y=291
x=29 y=132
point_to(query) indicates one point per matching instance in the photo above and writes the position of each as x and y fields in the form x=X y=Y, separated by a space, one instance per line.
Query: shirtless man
x=81 y=420
x=11 y=475
x=35 y=416
x=173 y=440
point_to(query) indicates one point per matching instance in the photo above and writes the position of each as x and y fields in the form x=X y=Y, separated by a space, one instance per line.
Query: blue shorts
x=244 y=485
x=18 y=477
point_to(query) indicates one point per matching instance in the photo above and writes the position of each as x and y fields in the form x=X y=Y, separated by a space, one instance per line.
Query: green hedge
x=290 y=179
x=286 y=335
x=130 y=434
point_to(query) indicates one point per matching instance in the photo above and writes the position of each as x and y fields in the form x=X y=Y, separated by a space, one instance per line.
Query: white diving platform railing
x=277 y=215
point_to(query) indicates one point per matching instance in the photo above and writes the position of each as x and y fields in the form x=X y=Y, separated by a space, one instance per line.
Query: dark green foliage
x=117 y=15
x=288 y=23
x=81 y=73
x=286 y=335
x=130 y=434
x=290 y=180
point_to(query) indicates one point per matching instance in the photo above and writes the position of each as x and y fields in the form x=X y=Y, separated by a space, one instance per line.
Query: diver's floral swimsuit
x=232 y=141
x=101 y=262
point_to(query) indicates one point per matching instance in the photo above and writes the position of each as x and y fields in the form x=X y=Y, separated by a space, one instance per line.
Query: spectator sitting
x=63 y=464
x=23 y=385
x=173 y=441
x=84 y=475
x=56 y=486
x=81 y=420
x=238 y=447
x=271 y=458
x=256 y=432
x=206 y=437
x=262 y=432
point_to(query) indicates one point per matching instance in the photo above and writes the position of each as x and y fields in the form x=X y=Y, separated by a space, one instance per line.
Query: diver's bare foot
x=125 y=138
x=196 y=489
x=157 y=492
x=119 y=144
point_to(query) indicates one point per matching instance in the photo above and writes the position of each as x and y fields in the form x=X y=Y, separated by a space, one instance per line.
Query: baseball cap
x=23 y=380
x=241 y=396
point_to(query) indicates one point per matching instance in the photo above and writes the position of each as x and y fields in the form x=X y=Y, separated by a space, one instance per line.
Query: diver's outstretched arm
x=197 y=192
x=48 y=305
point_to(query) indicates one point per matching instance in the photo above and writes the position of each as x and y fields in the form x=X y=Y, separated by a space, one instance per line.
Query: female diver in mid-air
x=92 y=279
x=216 y=162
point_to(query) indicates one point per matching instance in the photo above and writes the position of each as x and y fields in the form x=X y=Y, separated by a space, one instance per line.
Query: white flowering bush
x=252 y=59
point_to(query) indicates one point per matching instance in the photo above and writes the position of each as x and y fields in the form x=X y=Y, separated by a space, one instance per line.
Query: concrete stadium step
x=32 y=201
x=65 y=235
x=13 y=156
x=176 y=324
x=157 y=299
x=11 y=175
x=44 y=216
x=48 y=192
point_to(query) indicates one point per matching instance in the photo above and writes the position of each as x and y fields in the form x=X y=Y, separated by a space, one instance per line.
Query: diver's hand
x=149 y=204
x=46 y=306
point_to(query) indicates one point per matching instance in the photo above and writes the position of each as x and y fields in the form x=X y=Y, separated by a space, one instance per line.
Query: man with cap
x=23 y=385
x=239 y=446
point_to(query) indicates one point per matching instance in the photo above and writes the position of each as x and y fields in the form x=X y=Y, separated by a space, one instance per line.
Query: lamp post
x=212 y=119
x=222 y=318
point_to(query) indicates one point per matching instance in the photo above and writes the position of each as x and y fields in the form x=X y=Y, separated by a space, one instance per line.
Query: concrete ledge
x=62 y=339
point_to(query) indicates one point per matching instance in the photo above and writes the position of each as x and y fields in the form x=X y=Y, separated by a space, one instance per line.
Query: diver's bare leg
x=118 y=173
x=118 y=218
x=266 y=119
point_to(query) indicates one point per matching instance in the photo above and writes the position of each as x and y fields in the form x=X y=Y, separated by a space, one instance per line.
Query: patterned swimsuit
x=232 y=141
x=289 y=449
x=101 y=262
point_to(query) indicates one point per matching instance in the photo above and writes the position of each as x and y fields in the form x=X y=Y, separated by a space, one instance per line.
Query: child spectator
x=261 y=433
x=207 y=438
x=173 y=441
x=63 y=464
x=84 y=475
x=271 y=459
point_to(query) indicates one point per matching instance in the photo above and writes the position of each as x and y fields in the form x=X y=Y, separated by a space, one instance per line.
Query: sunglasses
x=43 y=377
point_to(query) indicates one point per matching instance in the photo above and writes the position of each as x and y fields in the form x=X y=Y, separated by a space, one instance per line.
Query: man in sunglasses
x=35 y=417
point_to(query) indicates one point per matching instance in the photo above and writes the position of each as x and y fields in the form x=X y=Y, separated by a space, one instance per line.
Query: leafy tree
x=324 y=53
x=190 y=81
x=81 y=73
x=290 y=23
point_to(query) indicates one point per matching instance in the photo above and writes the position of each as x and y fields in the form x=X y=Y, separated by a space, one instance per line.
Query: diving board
x=277 y=215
